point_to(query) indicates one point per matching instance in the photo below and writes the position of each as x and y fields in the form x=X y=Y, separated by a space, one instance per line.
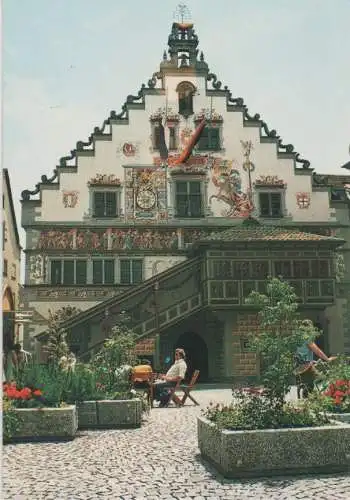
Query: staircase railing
x=166 y=317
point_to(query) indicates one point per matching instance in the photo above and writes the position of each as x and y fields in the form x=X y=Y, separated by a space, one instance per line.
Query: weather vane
x=182 y=13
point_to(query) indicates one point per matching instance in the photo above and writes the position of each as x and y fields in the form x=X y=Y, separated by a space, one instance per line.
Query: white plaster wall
x=43 y=307
x=158 y=264
x=109 y=160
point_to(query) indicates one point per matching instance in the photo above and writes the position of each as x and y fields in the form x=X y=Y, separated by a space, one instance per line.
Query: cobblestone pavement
x=158 y=461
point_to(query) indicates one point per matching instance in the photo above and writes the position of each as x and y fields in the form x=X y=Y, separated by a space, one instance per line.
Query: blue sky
x=67 y=63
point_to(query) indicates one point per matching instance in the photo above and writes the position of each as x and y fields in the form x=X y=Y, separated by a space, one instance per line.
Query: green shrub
x=10 y=420
x=82 y=385
x=112 y=364
x=251 y=412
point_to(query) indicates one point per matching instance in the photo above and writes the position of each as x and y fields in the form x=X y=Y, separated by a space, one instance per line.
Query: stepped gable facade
x=124 y=222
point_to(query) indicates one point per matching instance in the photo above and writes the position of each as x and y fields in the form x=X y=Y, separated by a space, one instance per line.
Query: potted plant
x=116 y=404
x=34 y=408
x=260 y=433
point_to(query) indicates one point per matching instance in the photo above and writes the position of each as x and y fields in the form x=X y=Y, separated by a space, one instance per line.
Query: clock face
x=146 y=199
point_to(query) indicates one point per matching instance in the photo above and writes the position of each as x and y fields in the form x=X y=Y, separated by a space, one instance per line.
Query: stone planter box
x=273 y=452
x=46 y=423
x=109 y=414
x=341 y=417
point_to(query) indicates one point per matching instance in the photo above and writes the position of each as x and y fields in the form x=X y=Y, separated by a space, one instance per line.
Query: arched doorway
x=196 y=354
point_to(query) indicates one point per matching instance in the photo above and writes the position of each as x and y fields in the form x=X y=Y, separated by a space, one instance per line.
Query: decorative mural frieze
x=104 y=180
x=56 y=240
x=303 y=200
x=269 y=180
x=91 y=240
x=145 y=193
x=75 y=293
x=70 y=198
x=109 y=239
x=147 y=239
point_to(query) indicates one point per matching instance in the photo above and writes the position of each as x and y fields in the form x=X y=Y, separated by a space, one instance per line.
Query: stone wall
x=244 y=362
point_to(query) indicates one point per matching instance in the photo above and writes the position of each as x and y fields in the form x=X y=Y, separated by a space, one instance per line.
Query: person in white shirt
x=175 y=374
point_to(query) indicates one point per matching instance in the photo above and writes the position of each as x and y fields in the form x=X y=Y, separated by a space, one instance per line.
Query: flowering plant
x=339 y=394
x=23 y=398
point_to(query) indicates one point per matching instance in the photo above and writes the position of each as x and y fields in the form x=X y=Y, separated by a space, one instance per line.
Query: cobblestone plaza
x=158 y=461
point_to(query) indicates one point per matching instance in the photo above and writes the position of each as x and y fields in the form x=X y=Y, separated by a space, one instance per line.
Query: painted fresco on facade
x=104 y=180
x=145 y=193
x=228 y=184
x=303 y=200
x=144 y=239
x=269 y=180
x=70 y=198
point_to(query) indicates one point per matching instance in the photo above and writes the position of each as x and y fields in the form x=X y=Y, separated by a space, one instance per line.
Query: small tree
x=57 y=346
x=117 y=353
x=281 y=332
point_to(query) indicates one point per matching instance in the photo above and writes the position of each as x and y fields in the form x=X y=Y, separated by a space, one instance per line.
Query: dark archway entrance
x=196 y=354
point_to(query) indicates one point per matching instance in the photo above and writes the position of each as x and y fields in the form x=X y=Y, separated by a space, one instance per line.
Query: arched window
x=185 y=92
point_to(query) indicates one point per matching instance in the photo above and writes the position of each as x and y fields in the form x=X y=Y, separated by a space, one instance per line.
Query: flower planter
x=37 y=424
x=109 y=414
x=271 y=452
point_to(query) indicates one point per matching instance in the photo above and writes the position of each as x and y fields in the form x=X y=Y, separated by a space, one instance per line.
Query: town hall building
x=171 y=213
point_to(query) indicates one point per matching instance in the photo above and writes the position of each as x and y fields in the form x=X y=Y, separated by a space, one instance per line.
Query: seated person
x=175 y=374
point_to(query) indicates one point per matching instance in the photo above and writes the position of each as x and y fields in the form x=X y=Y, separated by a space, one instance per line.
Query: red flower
x=25 y=393
x=37 y=392
x=339 y=394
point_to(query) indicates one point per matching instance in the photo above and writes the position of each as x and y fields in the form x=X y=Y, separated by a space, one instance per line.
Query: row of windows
x=243 y=270
x=189 y=202
x=97 y=271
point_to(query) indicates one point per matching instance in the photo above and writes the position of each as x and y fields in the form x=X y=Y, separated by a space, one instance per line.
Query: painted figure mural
x=227 y=180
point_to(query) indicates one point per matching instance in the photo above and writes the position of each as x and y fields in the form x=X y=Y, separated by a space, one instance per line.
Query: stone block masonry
x=245 y=363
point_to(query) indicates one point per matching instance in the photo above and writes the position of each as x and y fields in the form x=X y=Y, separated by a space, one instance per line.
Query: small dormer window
x=185 y=92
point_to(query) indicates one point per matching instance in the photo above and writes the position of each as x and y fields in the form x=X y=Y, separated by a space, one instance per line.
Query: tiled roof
x=338 y=180
x=264 y=233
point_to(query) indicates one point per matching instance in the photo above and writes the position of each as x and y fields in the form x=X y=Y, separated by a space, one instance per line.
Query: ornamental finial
x=182 y=14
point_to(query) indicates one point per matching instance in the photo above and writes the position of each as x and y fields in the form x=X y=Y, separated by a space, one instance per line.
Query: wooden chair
x=186 y=389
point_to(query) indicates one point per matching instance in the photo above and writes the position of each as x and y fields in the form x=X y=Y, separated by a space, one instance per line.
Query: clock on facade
x=146 y=199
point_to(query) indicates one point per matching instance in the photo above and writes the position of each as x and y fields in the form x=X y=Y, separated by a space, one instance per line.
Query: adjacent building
x=11 y=257
x=171 y=213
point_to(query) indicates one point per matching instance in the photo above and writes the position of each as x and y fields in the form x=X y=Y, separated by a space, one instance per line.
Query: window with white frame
x=131 y=271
